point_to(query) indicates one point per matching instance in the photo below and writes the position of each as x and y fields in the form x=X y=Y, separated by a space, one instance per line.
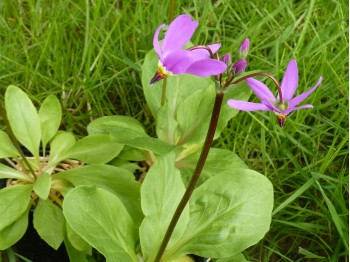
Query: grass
x=89 y=54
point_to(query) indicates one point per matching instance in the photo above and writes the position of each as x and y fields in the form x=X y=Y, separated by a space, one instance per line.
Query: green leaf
x=237 y=258
x=194 y=125
x=14 y=232
x=132 y=154
x=77 y=241
x=73 y=253
x=7 y=149
x=167 y=127
x=161 y=191
x=218 y=161
x=50 y=114
x=8 y=172
x=94 y=149
x=102 y=220
x=14 y=201
x=48 y=220
x=106 y=124
x=59 y=146
x=23 y=118
x=42 y=186
x=228 y=213
x=128 y=131
x=117 y=180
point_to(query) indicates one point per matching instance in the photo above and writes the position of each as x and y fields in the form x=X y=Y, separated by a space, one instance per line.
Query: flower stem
x=171 y=10
x=261 y=74
x=163 y=91
x=197 y=172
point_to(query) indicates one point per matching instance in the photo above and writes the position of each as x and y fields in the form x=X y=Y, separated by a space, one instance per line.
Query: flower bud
x=226 y=58
x=239 y=67
x=244 y=48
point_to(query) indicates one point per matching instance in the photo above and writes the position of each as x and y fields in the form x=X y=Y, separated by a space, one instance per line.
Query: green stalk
x=164 y=91
x=196 y=174
x=14 y=140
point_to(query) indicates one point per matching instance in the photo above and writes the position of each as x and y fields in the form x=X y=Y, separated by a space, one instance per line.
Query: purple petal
x=290 y=81
x=156 y=42
x=178 y=34
x=291 y=109
x=201 y=53
x=178 y=61
x=261 y=90
x=206 y=67
x=296 y=100
x=214 y=47
x=247 y=106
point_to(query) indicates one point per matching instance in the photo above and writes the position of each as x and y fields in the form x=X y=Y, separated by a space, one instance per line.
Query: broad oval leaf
x=161 y=192
x=50 y=114
x=14 y=201
x=128 y=131
x=218 y=161
x=108 y=124
x=77 y=241
x=7 y=149
x=193 y=116
x=228 y=213
x=114 y=179
x=102 y=220
x=48 y=220
x=23 y=119
x=14 y=232
x=94 y=149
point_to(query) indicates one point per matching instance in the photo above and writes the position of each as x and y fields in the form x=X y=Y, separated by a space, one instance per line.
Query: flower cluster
x=200 y=61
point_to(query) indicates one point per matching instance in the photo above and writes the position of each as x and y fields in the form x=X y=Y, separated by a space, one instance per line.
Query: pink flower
x=281 y=105
x=174 y=60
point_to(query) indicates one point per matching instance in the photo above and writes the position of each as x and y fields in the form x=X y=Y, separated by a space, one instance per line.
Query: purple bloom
x=174 y=60
x=281 y=105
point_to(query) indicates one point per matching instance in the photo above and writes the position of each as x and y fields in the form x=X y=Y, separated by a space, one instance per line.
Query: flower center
x=162 y=71
x=281 y=106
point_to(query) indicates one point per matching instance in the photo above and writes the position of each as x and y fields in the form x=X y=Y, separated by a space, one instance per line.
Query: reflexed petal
x=261 y=90
x=201 y=53
x=291 y=109
x=290 y=81
x=247 y=106
x=177 y=62
x=214 y=47
x=206 y=67
x=156 y=42
x=295 y=101
x=178 y=34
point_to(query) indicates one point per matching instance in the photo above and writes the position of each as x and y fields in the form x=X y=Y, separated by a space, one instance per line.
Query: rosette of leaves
x=55 y=163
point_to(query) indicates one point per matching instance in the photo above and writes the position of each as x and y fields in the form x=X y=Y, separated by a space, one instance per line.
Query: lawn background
x=89 y=54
